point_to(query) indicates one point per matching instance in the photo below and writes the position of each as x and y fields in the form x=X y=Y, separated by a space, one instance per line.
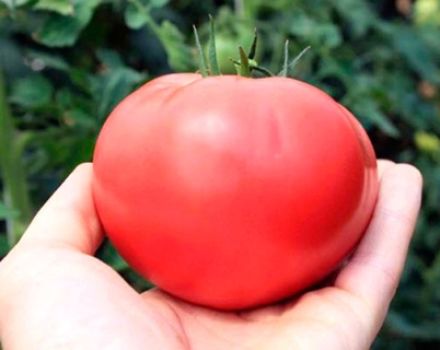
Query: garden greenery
x=64 y=64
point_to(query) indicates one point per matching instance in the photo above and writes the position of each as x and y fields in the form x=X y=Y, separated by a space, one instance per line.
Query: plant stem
x=284 y=73
x=293 y=63
x=15 y=189
x=212 y=50
x=203 y=65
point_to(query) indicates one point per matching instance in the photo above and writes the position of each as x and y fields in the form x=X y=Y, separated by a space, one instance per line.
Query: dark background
x=65 y=64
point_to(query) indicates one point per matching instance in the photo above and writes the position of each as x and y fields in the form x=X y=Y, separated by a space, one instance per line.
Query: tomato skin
x=232 y=192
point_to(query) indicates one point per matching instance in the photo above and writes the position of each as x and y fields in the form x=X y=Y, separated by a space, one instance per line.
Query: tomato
x=231 y=192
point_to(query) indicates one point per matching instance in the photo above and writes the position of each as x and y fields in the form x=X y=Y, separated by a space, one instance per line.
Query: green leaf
x=430 y=36
x=48 y=60
x=357 y=14
x=113 y=85
x=179 y=54
x=111 y=59
x=81 y=79
x=317 y=33
x=6 y=212
x=64 y=98
x=412 y=48
x=79 y=118
x=4 y=248
x=32 y=92
x=11 y=54
x=253 y=50
x=12 y=4
x=63 y=7
x=244 y=70
x=368 y=111
x=400 y=325
x=137 y=14
x=158 y=3
x=59 y=31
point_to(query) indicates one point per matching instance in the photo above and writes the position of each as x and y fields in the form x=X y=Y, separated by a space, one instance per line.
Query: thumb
x=69 y=217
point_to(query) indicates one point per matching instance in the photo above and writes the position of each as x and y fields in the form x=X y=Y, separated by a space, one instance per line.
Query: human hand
x=55 y=295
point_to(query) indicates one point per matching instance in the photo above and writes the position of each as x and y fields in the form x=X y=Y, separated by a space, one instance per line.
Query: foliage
x=68 y=62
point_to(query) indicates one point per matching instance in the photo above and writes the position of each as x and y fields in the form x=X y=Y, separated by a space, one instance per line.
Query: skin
x=55 y=295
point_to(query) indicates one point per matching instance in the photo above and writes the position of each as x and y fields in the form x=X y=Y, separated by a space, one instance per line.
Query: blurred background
x=64 y=64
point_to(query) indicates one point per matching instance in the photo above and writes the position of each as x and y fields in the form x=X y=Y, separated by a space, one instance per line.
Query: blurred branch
x=11 y=169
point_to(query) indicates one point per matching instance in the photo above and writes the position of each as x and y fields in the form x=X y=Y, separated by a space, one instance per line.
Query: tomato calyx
x=247 y=64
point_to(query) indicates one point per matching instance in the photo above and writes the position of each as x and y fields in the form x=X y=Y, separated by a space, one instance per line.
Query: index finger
x=374 y=270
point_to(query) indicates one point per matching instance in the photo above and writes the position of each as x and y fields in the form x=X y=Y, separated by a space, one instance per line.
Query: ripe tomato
x=233 y=192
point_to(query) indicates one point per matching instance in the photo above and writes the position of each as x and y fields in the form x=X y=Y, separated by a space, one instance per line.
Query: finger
x=383 y=165
x=69 y=217
x=374 y=270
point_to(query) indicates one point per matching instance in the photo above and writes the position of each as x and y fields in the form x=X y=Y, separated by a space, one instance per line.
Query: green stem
x=293 y=63
x=203 y=65
x=15 y=189
x=285 y=70
x=212 y=50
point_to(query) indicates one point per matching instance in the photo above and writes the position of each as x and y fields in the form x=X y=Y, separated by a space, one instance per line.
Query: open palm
x=55 y=295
